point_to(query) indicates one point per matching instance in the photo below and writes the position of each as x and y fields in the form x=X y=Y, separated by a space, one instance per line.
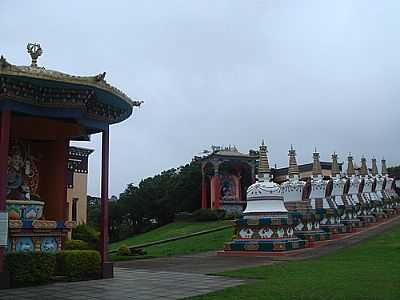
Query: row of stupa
x=298 y=213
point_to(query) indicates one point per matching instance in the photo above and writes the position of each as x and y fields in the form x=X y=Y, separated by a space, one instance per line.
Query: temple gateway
x=41 y=111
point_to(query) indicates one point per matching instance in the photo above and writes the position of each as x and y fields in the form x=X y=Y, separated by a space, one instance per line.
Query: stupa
x=350 y=198
x=296 y=197
x=321 y=204
x=389 y=195
x=265 y=225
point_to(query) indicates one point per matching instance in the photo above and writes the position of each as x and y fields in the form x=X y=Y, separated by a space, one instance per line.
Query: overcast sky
x=311 y=73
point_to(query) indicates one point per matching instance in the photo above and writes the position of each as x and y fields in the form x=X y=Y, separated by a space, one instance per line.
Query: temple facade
x=226 y=175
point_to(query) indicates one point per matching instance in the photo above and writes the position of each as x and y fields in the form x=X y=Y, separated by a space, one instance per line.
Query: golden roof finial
x=34 y=50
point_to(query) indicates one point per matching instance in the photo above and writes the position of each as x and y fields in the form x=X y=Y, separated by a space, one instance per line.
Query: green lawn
x=209 y=241
x=370 y=270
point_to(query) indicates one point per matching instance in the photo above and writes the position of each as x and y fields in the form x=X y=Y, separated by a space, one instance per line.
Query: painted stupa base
x=367 y=219
x=37 y=236
x=330 y=222
x=312 y=236
x=273 y=245
x=336 y=228
x=266 y=234
x=307 y=227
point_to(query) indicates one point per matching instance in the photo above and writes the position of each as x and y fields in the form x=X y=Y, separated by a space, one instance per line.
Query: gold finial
x=34 y=51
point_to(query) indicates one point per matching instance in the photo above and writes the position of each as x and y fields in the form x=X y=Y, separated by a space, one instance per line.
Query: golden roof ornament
x=335 y=165
x=263 y=165
x=316 y=163
x=34 y=50
x=293 y=168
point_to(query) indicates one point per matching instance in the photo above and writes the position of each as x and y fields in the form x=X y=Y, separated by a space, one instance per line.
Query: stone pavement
x=127 y=284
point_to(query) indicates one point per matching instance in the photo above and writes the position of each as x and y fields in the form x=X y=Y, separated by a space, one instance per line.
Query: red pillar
x=217 y=191
x=4 y=144
x=104 y=195
x=203 y=192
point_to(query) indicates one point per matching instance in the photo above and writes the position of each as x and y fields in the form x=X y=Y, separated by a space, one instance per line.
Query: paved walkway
x=175 y=277
x=128 y=284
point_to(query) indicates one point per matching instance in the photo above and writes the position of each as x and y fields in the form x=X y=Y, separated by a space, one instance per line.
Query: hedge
x=86 y=233
x=206 y=214
x=79 y=264
x=76 y=245
x=30 y=268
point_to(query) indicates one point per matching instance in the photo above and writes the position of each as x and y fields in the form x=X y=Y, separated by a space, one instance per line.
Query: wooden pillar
x=104 y=195
x=4 y=145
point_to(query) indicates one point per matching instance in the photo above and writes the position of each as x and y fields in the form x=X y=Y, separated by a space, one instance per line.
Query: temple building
x=77 y=173
x=41 y=112
x=305 y=171
x=226 y=175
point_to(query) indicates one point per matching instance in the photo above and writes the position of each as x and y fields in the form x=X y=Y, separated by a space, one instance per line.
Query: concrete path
x=127 y=284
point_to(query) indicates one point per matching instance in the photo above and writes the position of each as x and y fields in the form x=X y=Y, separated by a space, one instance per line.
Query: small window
x=74 y=209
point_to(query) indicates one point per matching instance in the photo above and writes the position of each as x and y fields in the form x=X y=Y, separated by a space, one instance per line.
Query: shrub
x=79 y=264
x=124 y=250
x=232 y=216
x=76 y=245
x=86 y=233
x=206 y=214
x=30 y=268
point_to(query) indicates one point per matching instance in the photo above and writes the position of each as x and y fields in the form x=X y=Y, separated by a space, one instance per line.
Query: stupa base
x=276 y=245
x=335 y=228
x=367 y=219
x=313 y=236
x=354 y=223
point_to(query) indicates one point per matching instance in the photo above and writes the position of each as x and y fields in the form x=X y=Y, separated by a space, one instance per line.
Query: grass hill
x=207 y=242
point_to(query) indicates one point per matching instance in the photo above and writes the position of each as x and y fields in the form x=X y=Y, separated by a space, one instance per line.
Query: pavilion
x=41 y=111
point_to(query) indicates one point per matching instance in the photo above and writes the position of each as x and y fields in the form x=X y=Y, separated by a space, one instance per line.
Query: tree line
x=151 y=203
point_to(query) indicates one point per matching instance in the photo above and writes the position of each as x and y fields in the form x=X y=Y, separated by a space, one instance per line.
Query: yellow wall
x=78 y=191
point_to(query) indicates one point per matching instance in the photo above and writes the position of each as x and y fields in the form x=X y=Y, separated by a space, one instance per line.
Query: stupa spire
x=293 y=167
x=316 y=170
x=335 y=165
x=364 y=168
x=263 y=165
x=384 y=169
x=350 y=166
x=374 y=170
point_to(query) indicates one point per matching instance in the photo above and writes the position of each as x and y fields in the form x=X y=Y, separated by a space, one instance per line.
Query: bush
x=208 y=214
x=86 y=233
x=76 y=245
x=124 y=250
x=79 y=264
x=30 y=268
x=232 y=216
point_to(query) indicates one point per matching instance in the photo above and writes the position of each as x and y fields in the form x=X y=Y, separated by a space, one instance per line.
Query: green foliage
x=79 y=264
x=86 y=233
x=124 y=250
x=206 y=214
x=155 y=201
x=30 y=268
x=76 y=245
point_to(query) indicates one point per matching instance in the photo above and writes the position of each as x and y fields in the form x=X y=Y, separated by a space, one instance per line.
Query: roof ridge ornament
x=34 y=50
